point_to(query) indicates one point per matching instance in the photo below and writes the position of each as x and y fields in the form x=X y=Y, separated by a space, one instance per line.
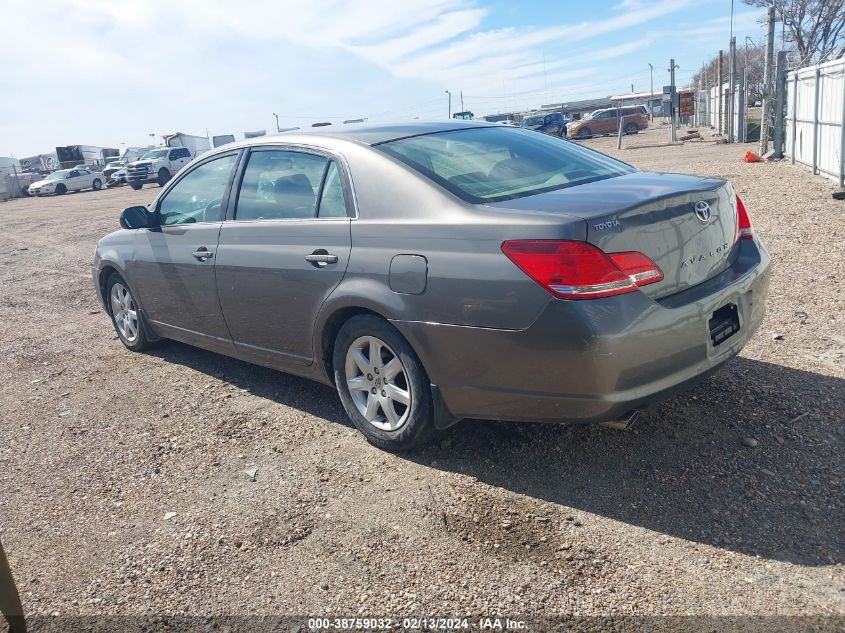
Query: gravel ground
x=123 y=483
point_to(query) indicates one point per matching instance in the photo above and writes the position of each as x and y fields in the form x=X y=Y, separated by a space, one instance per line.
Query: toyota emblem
x=702 y=211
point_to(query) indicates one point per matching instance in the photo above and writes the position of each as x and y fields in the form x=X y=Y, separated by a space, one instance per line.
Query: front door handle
x=202 y=253
x=321 y=258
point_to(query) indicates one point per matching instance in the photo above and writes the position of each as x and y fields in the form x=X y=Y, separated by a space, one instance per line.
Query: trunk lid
x=654 y=214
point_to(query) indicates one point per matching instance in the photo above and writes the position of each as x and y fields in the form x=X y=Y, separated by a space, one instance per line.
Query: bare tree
x=815 y=28
x=752 y=59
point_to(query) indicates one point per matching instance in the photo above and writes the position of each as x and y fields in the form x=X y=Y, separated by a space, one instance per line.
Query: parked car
x=606 y=121
x=441 y=271
x=65 y=180
x=115 y=173
x=553 y=123
x=157 y=165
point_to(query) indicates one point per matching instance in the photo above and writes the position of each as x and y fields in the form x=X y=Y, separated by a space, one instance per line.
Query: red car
x=634 y=119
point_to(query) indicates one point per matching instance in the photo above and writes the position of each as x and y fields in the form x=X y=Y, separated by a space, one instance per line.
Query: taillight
x=578 y=270
x=743 y=222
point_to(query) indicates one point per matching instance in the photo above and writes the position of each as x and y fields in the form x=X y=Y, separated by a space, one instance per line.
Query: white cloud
x=124 y=49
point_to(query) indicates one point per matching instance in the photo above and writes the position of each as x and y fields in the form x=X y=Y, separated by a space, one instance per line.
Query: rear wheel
x=632 y=128
x=585 y=132
x=127 y=319
x=60 y=189
x=382 y=384
x=163 y=177
x=97 y=184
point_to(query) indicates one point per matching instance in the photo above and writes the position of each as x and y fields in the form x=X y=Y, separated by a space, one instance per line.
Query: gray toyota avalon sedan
x=440 y=271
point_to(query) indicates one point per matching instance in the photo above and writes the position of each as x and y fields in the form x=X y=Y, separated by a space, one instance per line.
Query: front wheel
x=382 y=384
x=97 y=184
x=126 y=317
x=585 y=132
x=136 y=185
x=60 y=189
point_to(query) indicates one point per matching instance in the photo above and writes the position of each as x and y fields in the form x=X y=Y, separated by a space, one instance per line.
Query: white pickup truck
x=157 y=165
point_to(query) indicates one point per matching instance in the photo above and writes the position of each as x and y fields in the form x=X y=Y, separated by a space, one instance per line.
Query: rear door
x=173 y=269
x=73 y=180
x=285 y=248
x=179 y=157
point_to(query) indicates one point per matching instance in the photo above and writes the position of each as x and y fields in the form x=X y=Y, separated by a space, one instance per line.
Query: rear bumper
x=595 y=360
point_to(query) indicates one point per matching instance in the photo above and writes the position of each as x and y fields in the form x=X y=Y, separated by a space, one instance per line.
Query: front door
x=173 y=271
x=283 y=252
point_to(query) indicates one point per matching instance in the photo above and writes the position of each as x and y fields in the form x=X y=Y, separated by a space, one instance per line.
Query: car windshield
x=58 y=175
x=532 y=120
x=498 y=163
x=155 y=153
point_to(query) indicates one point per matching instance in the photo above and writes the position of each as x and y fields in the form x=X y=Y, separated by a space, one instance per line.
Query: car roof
x=367 y=134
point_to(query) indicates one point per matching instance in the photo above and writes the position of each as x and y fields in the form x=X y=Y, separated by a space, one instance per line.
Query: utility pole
x=732 y=90
x=767 y=82
x=673 y=135
x=721 y=127
x=651 y=96
x=741 y=107
x=462 y=100
x=450 y=103
x=780 y=103
x=278 y=129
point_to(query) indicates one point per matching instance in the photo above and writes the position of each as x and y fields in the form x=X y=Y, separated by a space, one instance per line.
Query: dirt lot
x=679 y=516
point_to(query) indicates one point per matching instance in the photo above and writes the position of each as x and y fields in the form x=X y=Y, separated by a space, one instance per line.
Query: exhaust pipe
x=625 y=423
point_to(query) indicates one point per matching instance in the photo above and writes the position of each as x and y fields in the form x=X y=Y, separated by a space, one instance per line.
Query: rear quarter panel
x=469 y=280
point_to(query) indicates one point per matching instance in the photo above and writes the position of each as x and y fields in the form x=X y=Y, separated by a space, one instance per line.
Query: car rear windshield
x=497 y=163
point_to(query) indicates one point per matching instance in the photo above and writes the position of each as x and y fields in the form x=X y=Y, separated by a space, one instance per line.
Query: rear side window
x=332 y=203
x=498 y=163
x=289 y=185
x=280 y=185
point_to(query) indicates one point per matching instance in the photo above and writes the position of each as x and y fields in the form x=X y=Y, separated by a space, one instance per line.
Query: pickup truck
x=157 y=165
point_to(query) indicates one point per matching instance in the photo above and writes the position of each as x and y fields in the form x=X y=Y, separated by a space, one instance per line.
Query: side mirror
x=135 y=218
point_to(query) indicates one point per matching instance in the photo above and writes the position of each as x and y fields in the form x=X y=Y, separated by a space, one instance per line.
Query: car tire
x=585 y=132
x=381 y=414
x=97 y=184
x=60 y=189
x=163 y=177
x=121 y=305
x=135 y=185
x=632 y=128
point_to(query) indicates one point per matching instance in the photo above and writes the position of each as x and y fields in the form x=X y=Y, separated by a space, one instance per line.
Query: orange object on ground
x=751 y=157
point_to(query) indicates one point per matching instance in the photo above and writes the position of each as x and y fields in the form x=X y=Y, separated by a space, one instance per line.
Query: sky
x=107 y=72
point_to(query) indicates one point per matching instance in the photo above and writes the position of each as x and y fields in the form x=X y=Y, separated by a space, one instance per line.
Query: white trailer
x=196 y=144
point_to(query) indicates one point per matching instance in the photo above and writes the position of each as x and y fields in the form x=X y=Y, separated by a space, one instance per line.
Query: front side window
x=198 y=196
x=499 y=163
x=280 y=185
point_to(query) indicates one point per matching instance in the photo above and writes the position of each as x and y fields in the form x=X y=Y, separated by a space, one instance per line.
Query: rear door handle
x=321 y=258
x=202 y=253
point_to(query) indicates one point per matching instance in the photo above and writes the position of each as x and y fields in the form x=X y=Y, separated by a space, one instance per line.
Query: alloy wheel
x=124 y=312
x=378 y=383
